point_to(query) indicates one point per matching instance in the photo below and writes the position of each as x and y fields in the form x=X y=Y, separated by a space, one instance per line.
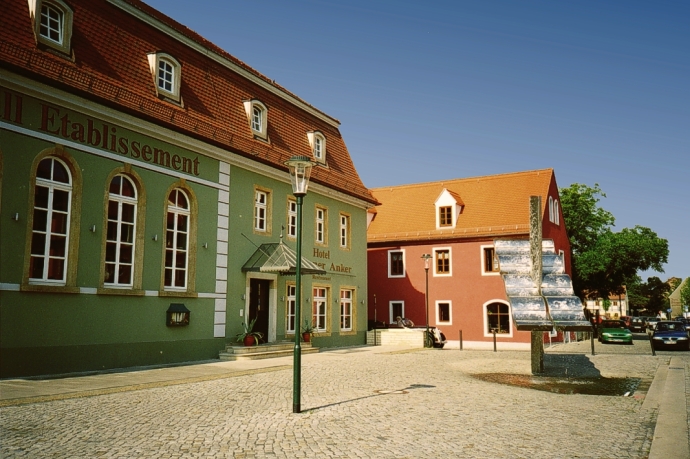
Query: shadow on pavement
x=570 y=365
x=377 y=393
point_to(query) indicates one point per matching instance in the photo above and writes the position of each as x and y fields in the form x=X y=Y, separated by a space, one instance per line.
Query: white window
x=257 y=114
x=442 y=262
x=344 y=231
x=448 y=208
x=260 y=210
x=51 y=222
x=120 y=233
x=490 y=266
x=52 y=23
x=292 y=218
x=556 y=215
x=290 y=307
x=444 y=314
x=551 y=209
x=396 y=309
x=317 y=141
x=396 y=263
x=497 y=317
x=320 y=226
x=167 y=75
x=320 y=308
x=177 y=240
x=346 y=310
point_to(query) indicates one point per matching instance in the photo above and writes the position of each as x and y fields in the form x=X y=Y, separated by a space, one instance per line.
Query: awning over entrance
x=276 y=257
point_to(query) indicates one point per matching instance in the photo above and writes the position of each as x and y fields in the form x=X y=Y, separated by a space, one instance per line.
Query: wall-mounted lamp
x=244 y=297
x=15 y=217
x=177 y=315
x=282 y=298
x=205 y=245
x=93 y=228
x=362 y=301
x=155 y=237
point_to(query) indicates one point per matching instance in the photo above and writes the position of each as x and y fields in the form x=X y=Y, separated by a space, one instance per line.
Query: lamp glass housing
x=300 y=171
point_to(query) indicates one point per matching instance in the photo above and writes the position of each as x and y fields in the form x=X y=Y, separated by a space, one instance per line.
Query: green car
x=614 y=331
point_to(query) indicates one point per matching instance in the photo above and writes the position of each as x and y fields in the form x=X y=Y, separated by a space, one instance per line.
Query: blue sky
x=431 y=90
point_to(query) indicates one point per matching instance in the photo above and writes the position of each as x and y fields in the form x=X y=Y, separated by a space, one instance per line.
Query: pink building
x=456 y=222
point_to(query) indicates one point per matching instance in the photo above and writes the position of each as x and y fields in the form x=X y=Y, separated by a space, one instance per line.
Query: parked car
x=670 y=334
x=637 y=325
x=626 y=320
x=614 y=331
x=651 y=323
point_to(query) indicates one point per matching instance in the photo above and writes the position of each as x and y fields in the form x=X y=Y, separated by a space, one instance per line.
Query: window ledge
x=125 y=291
x=46 y=288
x=177 y=294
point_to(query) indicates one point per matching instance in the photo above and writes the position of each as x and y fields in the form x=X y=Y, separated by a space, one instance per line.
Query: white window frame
x=485 y=319
x=257 y=124
x=174 y=250
x=52 y=187
x=320 y=225
x=320 y=308
x=291 y=218
x=290 y=303
x=550 y=209
x=155 y=61
x=63 y=44
x=121 y=200
x=450 y=312
x=261 y=207
x=346 y=301
x=450 y=262
x=317 y=142
x=390 y=310
x=390 y=264
x=556 y=214
x=482 y=258
x=345 y=236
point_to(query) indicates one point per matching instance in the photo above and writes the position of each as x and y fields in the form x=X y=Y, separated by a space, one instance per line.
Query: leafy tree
x=585 y=220
x=685 y=293
x=603 y=260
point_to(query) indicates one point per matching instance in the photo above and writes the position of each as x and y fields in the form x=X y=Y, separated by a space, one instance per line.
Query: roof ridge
x=465 y=179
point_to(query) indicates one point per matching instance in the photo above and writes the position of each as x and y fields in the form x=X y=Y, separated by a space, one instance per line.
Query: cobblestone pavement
x=442 y=412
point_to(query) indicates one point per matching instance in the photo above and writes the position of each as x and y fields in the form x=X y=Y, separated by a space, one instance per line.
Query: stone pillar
x=537 y=352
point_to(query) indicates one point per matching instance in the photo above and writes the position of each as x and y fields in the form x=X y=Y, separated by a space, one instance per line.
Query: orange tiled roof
x=110 y=48
x=493 y=205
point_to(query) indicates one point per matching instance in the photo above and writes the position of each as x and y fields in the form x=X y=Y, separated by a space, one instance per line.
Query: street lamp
x=300 y=169
x=427 y=261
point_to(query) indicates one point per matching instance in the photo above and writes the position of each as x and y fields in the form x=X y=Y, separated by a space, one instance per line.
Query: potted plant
x=308 y=329
x=248 y=336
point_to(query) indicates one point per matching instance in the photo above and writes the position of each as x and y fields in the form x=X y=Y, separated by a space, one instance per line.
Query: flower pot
x=249 y=340
x=306 y=337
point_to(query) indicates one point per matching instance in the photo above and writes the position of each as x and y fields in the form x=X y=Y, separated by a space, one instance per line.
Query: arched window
x=556 y=215
x=177 y=240
x=257 y=119
x=52 y=23
x=257 y=113
x=51 y=222
x=166 y=75
x=550 y=209
x=498 y=318
x=121 y=232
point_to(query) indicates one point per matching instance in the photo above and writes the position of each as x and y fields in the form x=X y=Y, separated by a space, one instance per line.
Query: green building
x=143 y=190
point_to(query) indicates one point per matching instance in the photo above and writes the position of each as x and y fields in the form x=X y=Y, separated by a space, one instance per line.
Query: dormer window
x=257 y=114
x=167 y=74
x=448 y=209
x=52 y=24
x=317 y=141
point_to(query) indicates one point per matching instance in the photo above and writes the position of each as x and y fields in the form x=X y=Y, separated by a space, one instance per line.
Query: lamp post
x=300 y=169
x=427 y=261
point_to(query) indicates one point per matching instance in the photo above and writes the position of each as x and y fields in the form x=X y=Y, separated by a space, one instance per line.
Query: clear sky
x=430 y=90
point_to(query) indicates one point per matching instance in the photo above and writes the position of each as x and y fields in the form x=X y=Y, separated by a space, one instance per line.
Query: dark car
x=637 y=325
x=651 y=323
x=668 y=334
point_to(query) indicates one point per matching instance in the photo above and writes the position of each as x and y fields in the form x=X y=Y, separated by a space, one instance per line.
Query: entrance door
x=258 y=305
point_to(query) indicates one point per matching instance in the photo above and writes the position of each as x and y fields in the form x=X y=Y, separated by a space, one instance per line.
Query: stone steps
x=264 y=351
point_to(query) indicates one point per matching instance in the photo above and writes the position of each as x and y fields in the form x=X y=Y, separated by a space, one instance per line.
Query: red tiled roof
x=493 y=205
x=110 y=65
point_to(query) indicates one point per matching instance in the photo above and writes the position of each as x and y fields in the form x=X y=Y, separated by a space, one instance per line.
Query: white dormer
x=448 y=209
x=317 y=142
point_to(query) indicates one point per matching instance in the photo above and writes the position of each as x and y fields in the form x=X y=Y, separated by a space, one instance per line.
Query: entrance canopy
x=276 y=257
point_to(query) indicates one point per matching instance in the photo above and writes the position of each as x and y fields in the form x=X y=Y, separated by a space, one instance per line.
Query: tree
x=603 y=260
x=685 y=293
